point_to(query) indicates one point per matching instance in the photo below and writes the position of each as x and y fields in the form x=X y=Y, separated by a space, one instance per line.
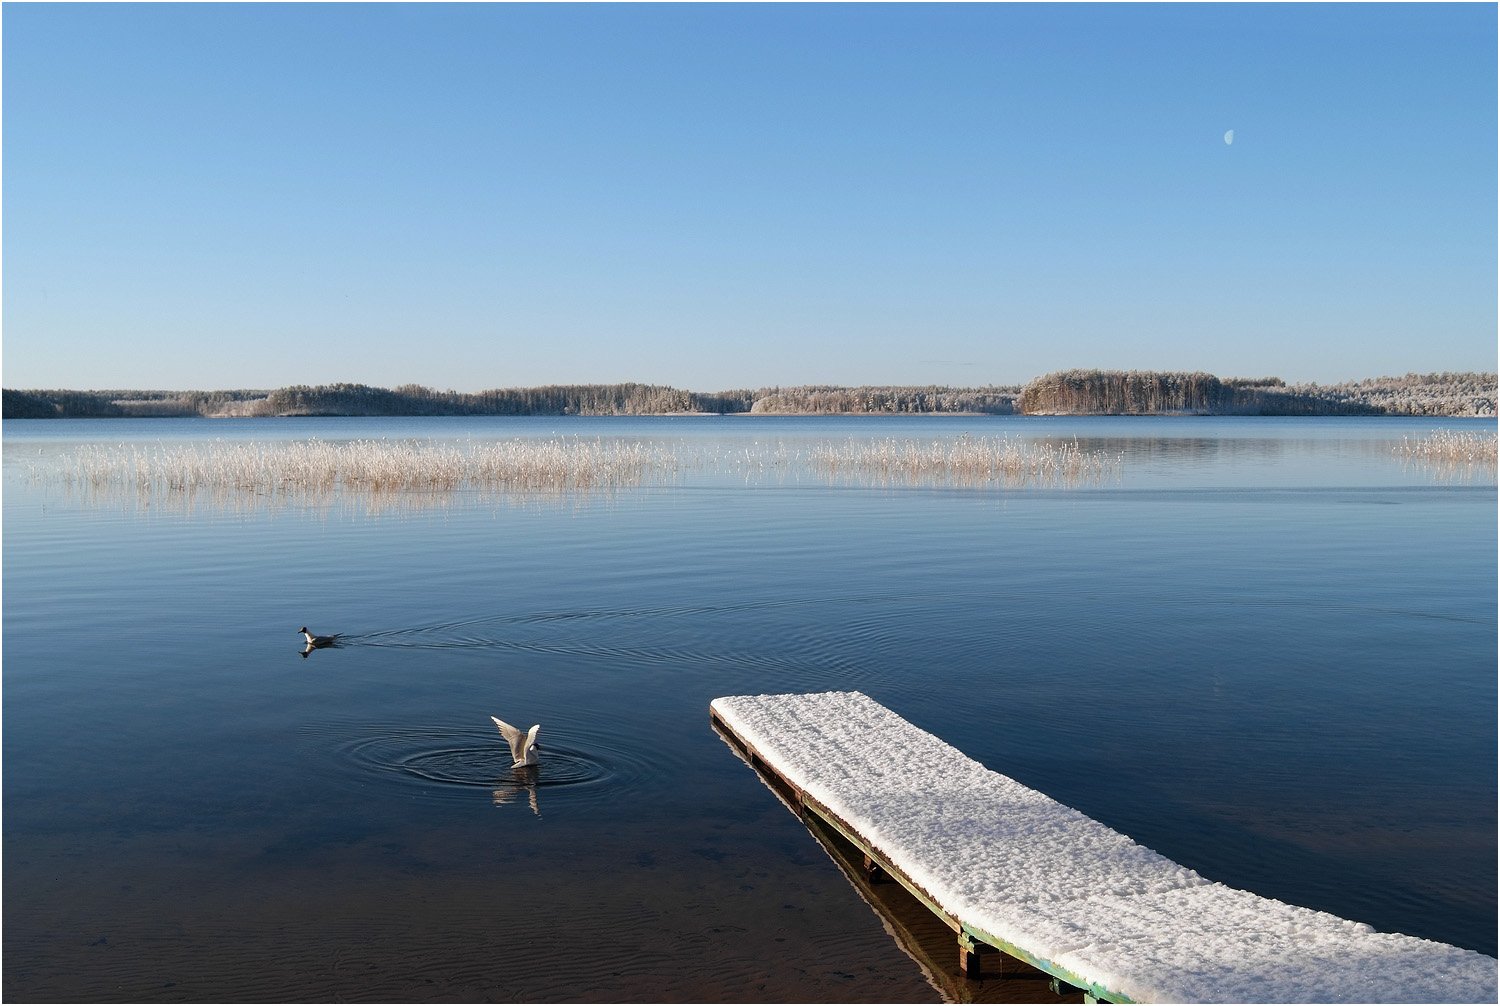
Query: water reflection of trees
x=1199 y=451
x=1193 y=450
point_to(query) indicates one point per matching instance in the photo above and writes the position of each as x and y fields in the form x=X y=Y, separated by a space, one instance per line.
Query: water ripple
x=437 y=763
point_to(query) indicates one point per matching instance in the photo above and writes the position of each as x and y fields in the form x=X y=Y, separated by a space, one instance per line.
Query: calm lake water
x=1263 y=647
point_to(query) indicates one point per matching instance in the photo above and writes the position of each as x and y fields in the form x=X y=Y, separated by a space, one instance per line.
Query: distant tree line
x=416 y=400
x=121 y=404
x=1073 y=392
x=552 y=400
x=1445 y=394
x=902 y=400
x=627 y=399
x=1114 y=392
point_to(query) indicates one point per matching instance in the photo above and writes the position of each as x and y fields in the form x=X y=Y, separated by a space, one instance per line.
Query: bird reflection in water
x=322 y=646
x=524 y=779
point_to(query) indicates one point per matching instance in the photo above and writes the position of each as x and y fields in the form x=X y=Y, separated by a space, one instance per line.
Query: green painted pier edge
x=973 y=943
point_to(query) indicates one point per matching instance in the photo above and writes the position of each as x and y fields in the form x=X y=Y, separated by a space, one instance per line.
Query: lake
x=1264 y=647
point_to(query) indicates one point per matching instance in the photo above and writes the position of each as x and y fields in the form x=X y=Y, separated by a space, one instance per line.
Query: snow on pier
x=1012 y=869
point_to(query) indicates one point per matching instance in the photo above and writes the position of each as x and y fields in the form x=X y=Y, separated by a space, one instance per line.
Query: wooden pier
x=1010 y=871
x=924 y=936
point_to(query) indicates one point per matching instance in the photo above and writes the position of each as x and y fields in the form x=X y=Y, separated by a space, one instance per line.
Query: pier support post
x=874 y=872
x=970 y=953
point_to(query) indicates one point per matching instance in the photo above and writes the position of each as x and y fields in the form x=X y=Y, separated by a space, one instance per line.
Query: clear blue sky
x=722 y=196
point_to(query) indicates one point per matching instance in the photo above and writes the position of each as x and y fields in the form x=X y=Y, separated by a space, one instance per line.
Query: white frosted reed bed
x=1013 y=869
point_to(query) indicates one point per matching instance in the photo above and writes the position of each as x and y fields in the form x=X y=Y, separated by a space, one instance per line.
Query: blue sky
x=721 y=196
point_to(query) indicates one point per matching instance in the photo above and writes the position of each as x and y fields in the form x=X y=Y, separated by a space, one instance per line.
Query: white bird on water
x=522 y=746
x=318 y=640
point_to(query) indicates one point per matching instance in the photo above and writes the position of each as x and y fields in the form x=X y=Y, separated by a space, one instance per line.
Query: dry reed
x=1453 y=456
x=417 y=474
x=967 y=461
x=1452 y=447
x=375 y=466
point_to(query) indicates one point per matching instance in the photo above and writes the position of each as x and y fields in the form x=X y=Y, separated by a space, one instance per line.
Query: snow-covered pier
x=1012 y=870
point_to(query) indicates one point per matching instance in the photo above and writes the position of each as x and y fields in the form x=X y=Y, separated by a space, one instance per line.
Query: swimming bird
x=318 y=640
x=522 y=746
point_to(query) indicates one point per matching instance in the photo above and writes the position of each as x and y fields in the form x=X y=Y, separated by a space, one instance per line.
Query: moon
x=1229 y=138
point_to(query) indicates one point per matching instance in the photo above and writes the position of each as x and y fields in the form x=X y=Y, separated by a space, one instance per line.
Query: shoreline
x=784 y=415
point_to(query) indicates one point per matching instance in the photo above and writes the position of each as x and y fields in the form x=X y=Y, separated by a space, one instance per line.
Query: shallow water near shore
x=1263 y=647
